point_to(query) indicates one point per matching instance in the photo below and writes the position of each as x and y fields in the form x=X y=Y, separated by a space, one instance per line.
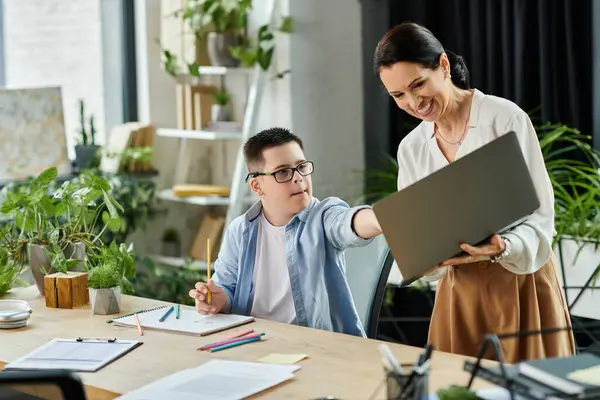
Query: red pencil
x=237 y=336
x=230 y=341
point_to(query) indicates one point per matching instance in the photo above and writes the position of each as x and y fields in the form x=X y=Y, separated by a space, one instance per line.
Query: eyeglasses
x=286 y=174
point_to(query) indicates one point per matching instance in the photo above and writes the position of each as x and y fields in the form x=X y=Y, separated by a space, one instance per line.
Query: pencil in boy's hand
x=209 y=294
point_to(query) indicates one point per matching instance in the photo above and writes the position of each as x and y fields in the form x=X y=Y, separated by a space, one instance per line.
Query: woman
x=510 y=283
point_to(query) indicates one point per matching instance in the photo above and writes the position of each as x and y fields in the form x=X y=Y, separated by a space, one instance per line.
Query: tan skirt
x=475 y=299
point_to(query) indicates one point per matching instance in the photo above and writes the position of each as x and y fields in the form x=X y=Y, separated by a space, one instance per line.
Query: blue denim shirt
x=315 y=241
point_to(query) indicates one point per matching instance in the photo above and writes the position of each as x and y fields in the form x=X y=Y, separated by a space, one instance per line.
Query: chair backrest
x=55 y=384
x=367 y=271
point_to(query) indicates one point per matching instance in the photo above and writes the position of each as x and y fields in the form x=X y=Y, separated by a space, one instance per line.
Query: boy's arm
x=226 y=266
x=349 y=227
x=365 y=224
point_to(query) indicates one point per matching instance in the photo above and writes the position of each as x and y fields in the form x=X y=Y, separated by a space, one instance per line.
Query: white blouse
x=419 y=155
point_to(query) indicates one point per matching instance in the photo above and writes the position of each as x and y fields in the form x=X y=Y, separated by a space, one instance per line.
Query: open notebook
x=190 y=322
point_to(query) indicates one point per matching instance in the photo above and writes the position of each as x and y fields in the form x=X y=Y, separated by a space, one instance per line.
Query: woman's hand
x=494 y=247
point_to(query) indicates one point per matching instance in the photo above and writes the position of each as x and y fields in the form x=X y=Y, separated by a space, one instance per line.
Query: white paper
x=190 y=321
x=216 y=380
x=89 y=355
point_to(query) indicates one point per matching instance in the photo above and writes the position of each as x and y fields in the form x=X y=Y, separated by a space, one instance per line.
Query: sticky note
x=276 y=358
x=591 y=375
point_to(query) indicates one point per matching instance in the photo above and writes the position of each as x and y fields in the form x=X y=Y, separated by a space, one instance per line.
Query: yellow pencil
x=208 y=268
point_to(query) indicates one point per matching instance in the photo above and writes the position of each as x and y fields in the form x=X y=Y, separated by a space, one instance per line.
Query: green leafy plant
x=222 y=97
x=456 y=393
x=217 y=15
x=104 y=277
x=57 y=217
x=12 y=256
x=119 y=259
x=262 y=51
x=166 y=283
x=87 y=137
x=226 y=16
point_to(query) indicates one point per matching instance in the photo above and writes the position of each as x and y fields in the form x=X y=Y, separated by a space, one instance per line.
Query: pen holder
x=405 y=387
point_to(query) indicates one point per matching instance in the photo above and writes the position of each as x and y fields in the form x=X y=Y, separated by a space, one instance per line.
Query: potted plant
x=221 y=109
x=60 y=227
x=171 y=243
x=87 y=152
x=109 y=276
x=222 y=24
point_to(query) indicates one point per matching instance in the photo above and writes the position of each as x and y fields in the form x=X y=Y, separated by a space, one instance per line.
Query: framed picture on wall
x=32 y=133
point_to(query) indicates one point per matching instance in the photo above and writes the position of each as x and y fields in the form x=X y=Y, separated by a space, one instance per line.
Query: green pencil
x=178 y=311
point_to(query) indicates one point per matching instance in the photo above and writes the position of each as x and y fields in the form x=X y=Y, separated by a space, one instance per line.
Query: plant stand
x=66 y=290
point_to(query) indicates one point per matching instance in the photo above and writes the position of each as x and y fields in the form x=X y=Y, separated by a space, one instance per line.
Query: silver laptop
x=487 y=191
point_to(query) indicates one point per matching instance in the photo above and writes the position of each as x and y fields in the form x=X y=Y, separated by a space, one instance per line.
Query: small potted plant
x=221 y=109
x=87 y=152
x=171 y=243
x=109 y=277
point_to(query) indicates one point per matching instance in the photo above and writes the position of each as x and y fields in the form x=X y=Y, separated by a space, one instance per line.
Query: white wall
x=57 y=42
x=327 y=92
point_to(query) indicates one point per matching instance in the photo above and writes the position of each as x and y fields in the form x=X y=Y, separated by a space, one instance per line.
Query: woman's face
x=422 y=92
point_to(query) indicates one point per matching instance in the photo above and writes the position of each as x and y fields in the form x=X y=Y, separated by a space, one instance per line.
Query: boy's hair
x=268 y=138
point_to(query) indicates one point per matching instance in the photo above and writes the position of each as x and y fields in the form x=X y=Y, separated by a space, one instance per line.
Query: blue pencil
x=169 y=311
x=234 y=344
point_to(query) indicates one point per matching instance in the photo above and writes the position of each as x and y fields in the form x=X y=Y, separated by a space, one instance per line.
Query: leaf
x=8 y=207
x=264 y=58
x=110 y=206
x=288 y=25
x=114 y=224
x=47 y=176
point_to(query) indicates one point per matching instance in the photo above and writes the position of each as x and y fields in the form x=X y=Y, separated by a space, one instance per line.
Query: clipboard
x=81 y=354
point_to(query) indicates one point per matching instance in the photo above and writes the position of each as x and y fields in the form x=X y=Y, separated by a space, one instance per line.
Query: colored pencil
x=232 y=340
x=139 y=326
x=235 y=344
x=209 y=297
x=169 y=311
x=178 y=313
x=234 y=336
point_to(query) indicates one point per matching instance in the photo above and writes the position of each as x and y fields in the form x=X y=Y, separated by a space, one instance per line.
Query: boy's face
x=289 y=197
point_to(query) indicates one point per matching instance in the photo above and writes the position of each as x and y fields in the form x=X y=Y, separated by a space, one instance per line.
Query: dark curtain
x=537 y=53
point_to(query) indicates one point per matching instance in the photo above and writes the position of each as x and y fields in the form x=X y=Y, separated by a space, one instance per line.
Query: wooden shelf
x=177 y=262
x=167 y=194
x=200 y=135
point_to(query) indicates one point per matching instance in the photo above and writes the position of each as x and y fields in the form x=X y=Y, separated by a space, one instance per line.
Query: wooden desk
x=343 y=366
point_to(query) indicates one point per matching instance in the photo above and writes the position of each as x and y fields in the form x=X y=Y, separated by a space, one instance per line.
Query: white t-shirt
x=272 y=289
x=419 y=156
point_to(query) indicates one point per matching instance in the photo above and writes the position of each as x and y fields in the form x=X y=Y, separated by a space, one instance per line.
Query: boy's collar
x=255 y=210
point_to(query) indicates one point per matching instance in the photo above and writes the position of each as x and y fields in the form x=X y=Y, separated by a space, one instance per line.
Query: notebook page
x=190 y=321
x=216 y=380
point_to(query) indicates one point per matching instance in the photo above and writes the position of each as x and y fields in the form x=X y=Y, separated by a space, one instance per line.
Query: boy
x=283 y=260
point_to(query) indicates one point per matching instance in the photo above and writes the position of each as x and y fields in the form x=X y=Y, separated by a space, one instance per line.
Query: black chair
x=68 y=384
x=372 y=320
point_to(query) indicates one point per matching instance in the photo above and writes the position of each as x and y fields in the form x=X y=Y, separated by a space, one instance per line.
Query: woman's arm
x=531 y=241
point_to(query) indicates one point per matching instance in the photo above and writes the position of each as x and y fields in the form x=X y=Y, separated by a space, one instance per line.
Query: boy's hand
x=218 y=298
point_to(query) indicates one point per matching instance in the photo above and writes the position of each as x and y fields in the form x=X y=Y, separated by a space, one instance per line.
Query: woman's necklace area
x=460 y=140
